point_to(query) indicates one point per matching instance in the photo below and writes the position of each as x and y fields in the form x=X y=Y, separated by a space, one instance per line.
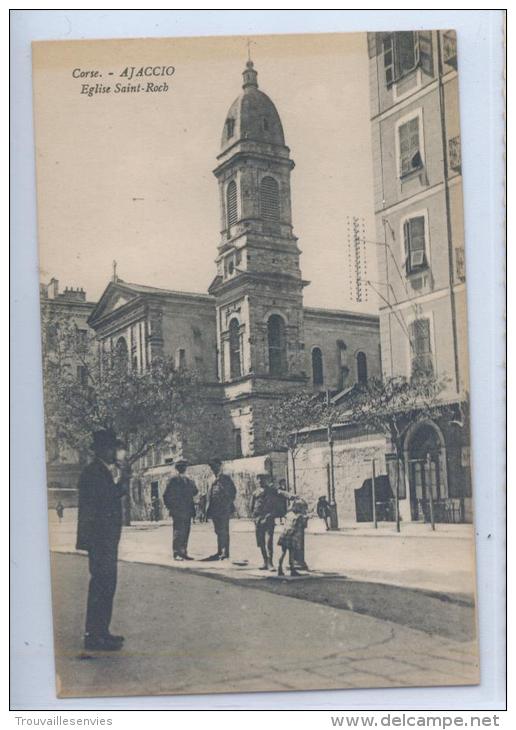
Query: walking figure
x=155 y=508
x=60 y=510
x=220 y=506
x=324 y=511
x=102 y=484
x=179 y=500
x=293 y=535
x=283 y=497
x=201 y=507
x=264 y=508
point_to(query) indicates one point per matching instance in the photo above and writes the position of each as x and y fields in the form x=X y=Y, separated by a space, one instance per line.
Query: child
x=292 y=535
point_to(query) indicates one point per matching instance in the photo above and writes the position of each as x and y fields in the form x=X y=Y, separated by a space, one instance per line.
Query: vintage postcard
x=255 y=363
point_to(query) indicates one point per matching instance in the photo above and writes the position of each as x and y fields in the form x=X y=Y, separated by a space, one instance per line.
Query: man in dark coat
x=220 y=507
x=102 y=484
x=179 y=500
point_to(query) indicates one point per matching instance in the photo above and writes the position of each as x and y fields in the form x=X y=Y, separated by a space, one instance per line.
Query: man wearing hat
x=179 y=500
x=264 y=507
x=102 y=484
x=220 y=507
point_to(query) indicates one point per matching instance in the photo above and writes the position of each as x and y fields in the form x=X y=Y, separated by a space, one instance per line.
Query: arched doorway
x=425 y=456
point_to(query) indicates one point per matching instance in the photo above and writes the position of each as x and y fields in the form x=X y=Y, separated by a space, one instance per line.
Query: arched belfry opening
x=235 y=351
x=276 y=338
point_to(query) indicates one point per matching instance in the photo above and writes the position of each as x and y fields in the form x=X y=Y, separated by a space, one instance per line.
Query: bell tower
x=258 y=287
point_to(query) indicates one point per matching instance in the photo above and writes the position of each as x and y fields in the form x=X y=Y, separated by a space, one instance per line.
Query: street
x=203 y=627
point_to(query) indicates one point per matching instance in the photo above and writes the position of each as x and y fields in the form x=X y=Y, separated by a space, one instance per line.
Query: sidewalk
x=441 y=562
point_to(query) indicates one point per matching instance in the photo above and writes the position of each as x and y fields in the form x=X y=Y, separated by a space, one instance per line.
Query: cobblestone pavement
x=192 y=634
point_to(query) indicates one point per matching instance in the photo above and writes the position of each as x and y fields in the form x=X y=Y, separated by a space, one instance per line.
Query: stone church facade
x=250 y=337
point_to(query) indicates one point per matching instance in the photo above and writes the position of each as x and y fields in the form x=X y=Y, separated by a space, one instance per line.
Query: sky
x=128 y=177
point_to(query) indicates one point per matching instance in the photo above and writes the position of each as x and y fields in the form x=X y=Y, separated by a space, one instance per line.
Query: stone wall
x=352 y=466
x=242 y=471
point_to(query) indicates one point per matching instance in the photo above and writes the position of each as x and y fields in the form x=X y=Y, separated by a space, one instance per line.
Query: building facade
x=250 y=337
x=420 y=243
x=67 y=308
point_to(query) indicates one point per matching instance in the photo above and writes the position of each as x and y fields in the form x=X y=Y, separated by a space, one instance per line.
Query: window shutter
x=232 y=204
x=406 y=52
x=269 y=199
x=406 y=240
x=388 y=59
x=426 y=60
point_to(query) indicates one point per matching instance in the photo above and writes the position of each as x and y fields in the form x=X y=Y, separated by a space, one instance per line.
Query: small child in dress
x=293 y=531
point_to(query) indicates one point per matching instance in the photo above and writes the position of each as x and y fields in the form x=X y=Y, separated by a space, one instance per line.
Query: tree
x=288 y=422
x=86 y=390
x=392 y=406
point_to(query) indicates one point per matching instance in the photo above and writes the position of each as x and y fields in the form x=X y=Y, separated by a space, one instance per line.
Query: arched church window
x=361 y=368
x=269 y=199
x=277 y=345
x=232 y=203
x=121 y=353
x=317 y=366
x=235 y=357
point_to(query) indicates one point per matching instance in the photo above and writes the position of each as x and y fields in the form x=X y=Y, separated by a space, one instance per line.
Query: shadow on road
x=452 y=617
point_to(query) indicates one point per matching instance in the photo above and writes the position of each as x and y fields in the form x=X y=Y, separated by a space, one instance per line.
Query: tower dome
x=252 y=116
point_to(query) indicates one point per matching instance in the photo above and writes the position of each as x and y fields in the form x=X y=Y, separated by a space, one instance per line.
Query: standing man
x=60 y=510
x=264 y=508
x=324 y=511
x=179 y=500
x=220 y=507
x=102 y=484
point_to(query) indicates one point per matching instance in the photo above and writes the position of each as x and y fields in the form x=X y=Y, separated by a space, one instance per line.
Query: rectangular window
x=415 y=247
x=181 y=359
x=422 y=363
x=405 y=51
x=237 y=440
x=411 y=159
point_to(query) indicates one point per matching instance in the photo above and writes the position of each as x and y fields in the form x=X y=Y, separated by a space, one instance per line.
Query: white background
x=480 y=39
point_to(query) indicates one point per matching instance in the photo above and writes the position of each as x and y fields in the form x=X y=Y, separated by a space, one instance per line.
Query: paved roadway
x=188 y=632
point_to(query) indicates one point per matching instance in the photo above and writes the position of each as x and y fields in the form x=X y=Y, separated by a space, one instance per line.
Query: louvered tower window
x=232 y=204
x=235 y=359
x=269 y=199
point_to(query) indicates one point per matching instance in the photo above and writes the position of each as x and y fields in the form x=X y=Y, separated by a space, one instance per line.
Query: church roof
x=144 y=289
x=252 y=116
x=344 y=313
x=119 y=293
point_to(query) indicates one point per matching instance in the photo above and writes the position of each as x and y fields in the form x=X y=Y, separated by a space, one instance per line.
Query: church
x=250 y=337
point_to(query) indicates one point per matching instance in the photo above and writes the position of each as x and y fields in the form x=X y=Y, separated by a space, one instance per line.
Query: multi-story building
x=420 y=243
x=59 y=309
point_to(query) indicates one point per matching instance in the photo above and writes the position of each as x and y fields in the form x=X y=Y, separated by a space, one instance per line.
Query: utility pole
x=373 y=491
